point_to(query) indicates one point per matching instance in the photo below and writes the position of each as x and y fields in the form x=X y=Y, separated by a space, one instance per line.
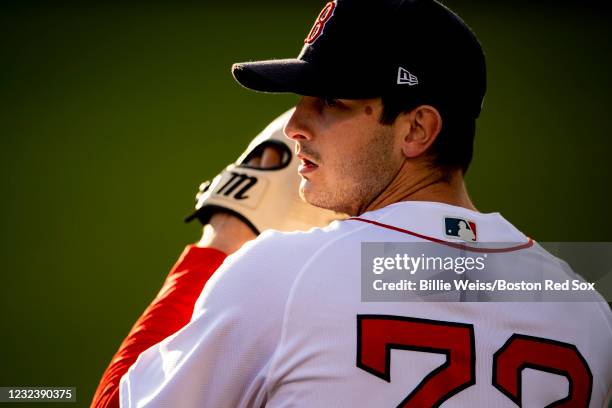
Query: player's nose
x=297 y=127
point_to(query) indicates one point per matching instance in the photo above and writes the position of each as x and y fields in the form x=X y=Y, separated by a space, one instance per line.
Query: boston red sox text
x=477 y=285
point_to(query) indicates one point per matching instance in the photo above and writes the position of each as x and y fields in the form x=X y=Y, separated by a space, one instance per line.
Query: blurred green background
x=111 y=115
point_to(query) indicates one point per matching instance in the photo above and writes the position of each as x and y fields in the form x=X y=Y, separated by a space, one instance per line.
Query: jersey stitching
x=288 y=302
x=456 y=245
x=396 y=206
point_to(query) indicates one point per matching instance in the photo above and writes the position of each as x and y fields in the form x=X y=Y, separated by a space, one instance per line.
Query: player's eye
x=330 y=102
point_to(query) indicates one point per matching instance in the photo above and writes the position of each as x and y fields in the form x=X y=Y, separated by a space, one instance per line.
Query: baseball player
x=390 y=92
x=258 y=192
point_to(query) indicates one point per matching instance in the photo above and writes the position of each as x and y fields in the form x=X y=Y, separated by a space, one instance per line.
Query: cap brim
x=301 y=77
x=282 y=75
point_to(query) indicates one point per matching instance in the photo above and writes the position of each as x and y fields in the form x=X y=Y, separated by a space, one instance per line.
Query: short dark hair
x=454 y=146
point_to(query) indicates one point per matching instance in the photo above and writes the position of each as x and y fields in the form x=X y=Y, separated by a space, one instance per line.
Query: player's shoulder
x=434 y=222
x=264 y=269
x=403 y=221
x=294 y=246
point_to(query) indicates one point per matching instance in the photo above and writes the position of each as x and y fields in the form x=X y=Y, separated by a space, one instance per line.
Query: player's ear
x=419 y=128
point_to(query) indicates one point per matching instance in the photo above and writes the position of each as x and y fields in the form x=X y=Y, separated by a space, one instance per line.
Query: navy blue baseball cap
x=357 y=49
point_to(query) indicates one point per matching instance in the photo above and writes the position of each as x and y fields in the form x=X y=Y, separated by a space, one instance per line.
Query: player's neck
x=419 y=183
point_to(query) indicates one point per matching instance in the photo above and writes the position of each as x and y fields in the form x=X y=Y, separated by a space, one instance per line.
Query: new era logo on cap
x=460 y=228
x=406 y=77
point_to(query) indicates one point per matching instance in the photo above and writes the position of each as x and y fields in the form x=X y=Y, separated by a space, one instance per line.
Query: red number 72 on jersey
x=377 y=335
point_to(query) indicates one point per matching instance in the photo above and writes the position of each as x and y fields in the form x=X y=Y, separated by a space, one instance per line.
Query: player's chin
x=313 y=195
x=305 y=190
x=308 y=192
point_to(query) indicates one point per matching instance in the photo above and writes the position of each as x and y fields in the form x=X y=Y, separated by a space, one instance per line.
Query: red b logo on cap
x=319 y=25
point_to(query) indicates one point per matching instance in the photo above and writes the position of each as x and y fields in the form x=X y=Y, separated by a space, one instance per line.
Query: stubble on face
x=355 y=177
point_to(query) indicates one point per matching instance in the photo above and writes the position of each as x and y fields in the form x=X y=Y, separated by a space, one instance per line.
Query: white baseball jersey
x=282 y=323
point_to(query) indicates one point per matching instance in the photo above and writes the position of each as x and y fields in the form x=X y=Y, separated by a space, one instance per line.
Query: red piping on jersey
x=528 y=244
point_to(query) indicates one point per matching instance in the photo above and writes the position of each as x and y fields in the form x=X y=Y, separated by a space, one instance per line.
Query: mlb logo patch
x=460 y=228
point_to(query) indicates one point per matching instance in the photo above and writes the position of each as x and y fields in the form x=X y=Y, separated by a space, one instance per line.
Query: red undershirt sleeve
x=170 y=311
